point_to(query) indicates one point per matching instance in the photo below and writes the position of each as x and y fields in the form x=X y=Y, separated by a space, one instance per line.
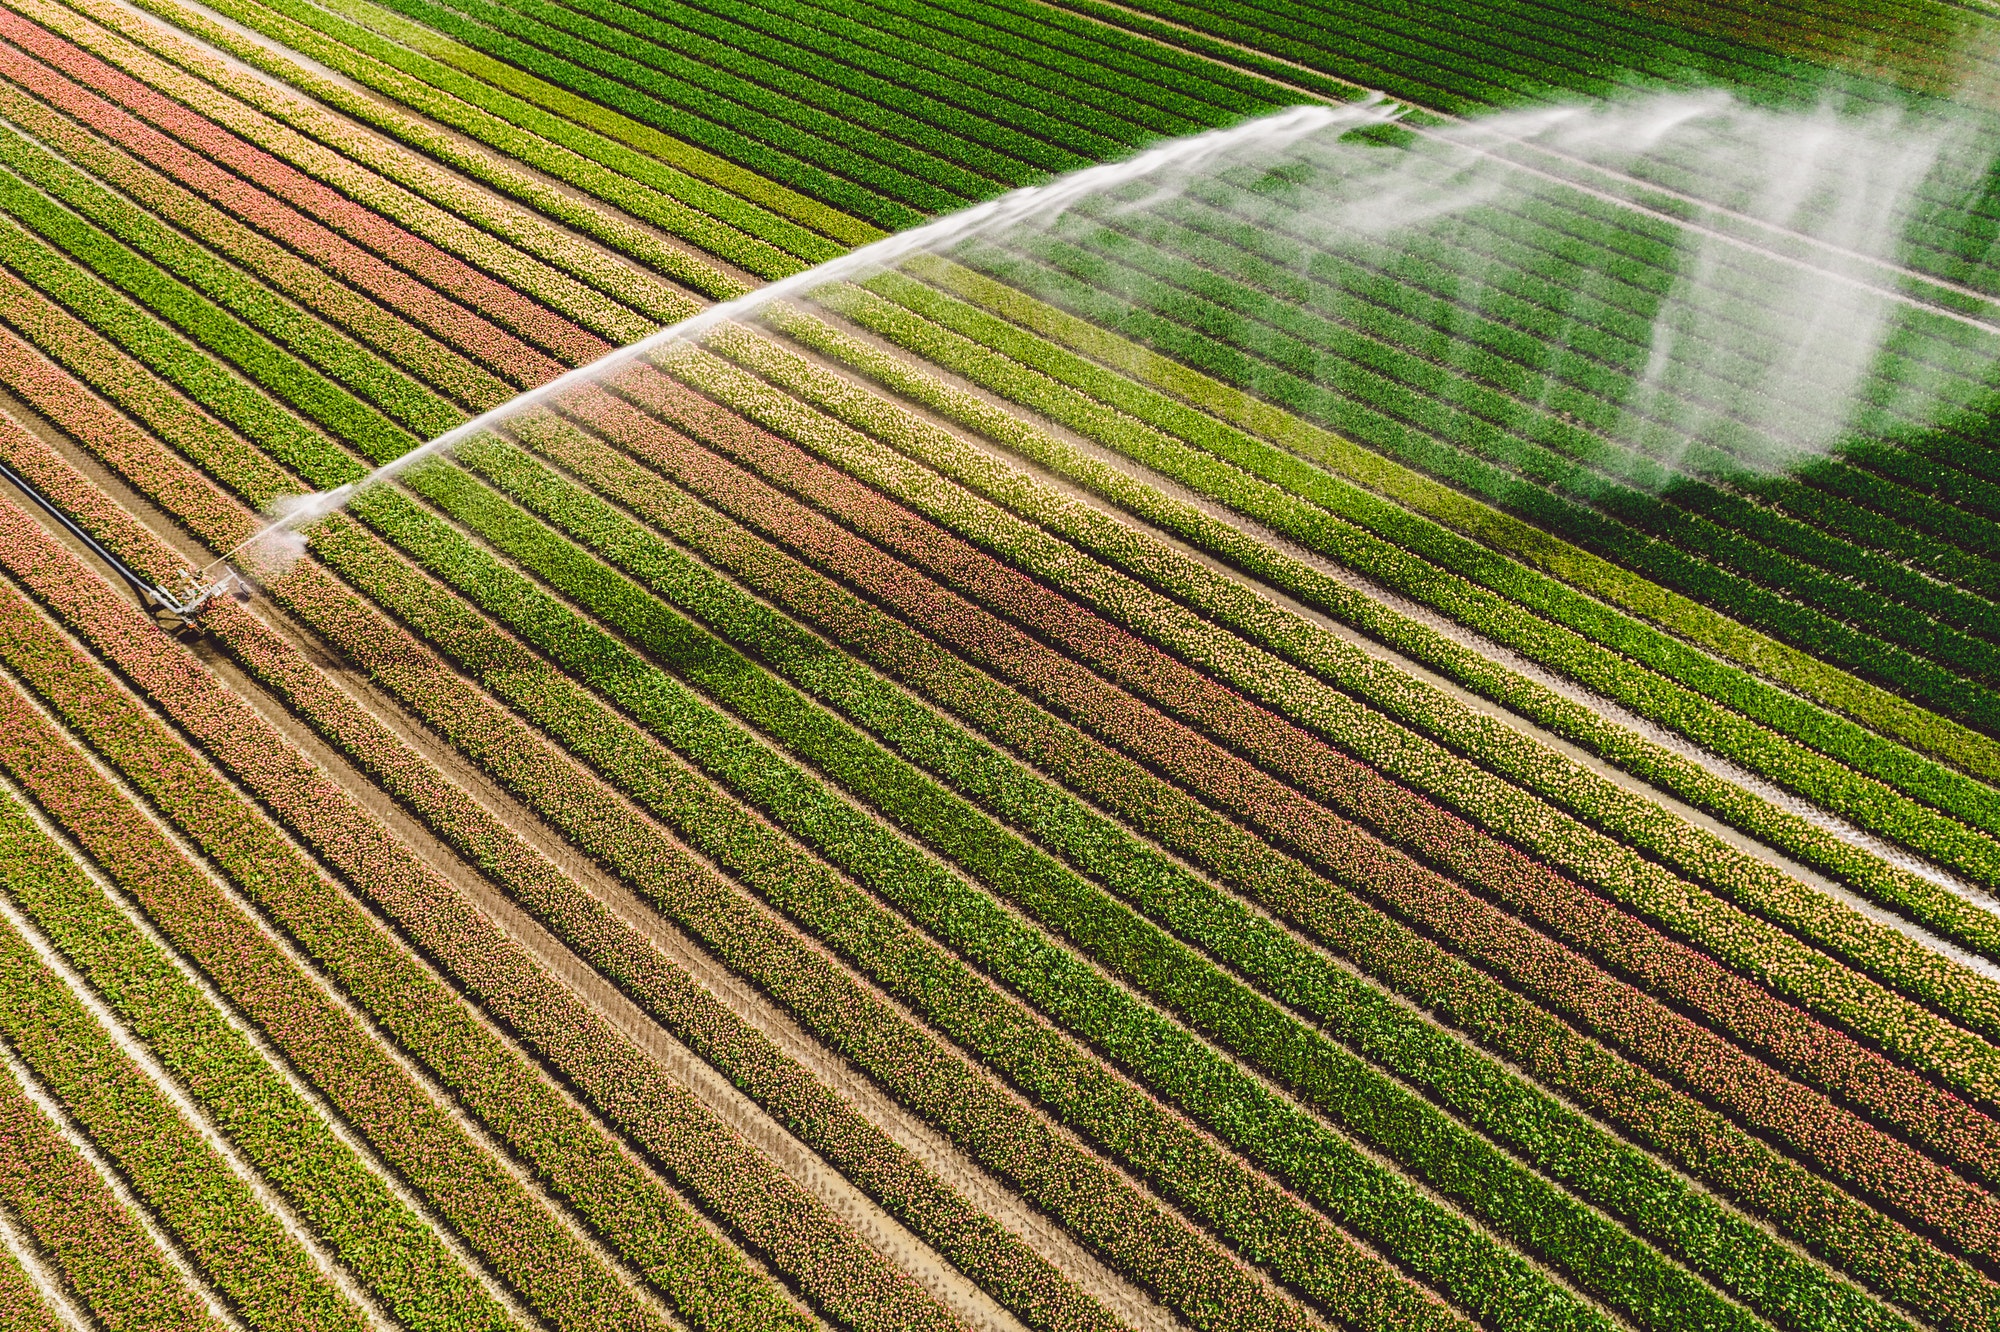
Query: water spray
x=1017 y=208
x=1832 y=315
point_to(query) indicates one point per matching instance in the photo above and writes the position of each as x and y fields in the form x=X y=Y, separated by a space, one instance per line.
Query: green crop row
x=935 y=143
x=1254 y=434
x=242 y=1249
x=967 y=99
x=1185 y=1166
x=1622 y=1183
x=289 y=379
x=1538 y=298
x=1350 y=1094
x=408 y=402
x=604 y=313
x=342 y=307
x=388 y=1247
x=1159 y=90
x=1121 y=570
x=1872 y=803
x=1815 y=625
x=1556 y=262
x=1163 y=92
x=1208 y=279
x=1418 y=424
x=1506 y=52
x=406 y=154
x=91 y=1246
x=833 y=176
x=656 y=179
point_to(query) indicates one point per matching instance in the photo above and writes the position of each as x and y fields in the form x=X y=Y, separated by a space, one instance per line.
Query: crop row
x=104 y=1256
x=1265 y=299
x=1272 y=805
x=1186 y=1072
x=331 y=461
x=1438 y=518
x=1124 y=1226
x=496 y=257
x=1492 y=285
x=1535 y=295
x=1143 y=92
x=1345 y=312
x=405 y=400
x=1442 y=439
x=335 y=302
x=1231 y=721
x=1355 y=1014
x=389 y=1248
x=964 y=154
x=647 y=1225
x=577 y=1158
x=650 y=1227
x=1808 y=977
x=467 y=330
x=290 y=379
x=22 y=1301
x=1182 y=1164
x=203 y=143
x=1472 y=60
x=643 y=187
x=1856 y=796
x=1000 y=1262
x=807 y=164
x=405 y=158
x=1047 y=341
x=244 y=1251
x=501 y=242
x=1044 y=130
x=559 y=1277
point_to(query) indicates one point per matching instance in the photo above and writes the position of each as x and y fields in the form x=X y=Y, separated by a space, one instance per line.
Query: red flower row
x=1656 y=1034
x=275 y=210
x=582 y=1162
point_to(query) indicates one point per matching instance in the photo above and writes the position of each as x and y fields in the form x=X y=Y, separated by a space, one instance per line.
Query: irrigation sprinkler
x=174 y=612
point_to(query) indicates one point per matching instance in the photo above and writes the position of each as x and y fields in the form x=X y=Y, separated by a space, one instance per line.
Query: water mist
x=1733 y=291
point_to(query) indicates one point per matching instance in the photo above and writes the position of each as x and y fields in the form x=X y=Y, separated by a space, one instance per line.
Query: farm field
x=1384 y=715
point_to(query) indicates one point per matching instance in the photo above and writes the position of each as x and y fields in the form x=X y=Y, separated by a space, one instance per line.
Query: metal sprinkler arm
x=165 y=605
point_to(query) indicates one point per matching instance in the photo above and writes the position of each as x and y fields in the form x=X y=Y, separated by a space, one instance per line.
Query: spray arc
x=1808 y=199
x=1024 y=208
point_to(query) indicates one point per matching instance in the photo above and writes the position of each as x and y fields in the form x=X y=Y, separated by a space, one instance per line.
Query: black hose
x=150 y=594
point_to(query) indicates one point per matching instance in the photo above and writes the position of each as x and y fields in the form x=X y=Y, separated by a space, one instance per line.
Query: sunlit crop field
x=1379 y=716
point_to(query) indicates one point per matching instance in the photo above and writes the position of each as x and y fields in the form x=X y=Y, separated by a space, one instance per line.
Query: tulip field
x=1191 y=767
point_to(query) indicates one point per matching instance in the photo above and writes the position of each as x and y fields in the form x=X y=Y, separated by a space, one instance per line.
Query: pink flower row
x=104 y=1256
x=581 y=1160
x=1864 y=1243
x=1891 y=1171
x=275 y=209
